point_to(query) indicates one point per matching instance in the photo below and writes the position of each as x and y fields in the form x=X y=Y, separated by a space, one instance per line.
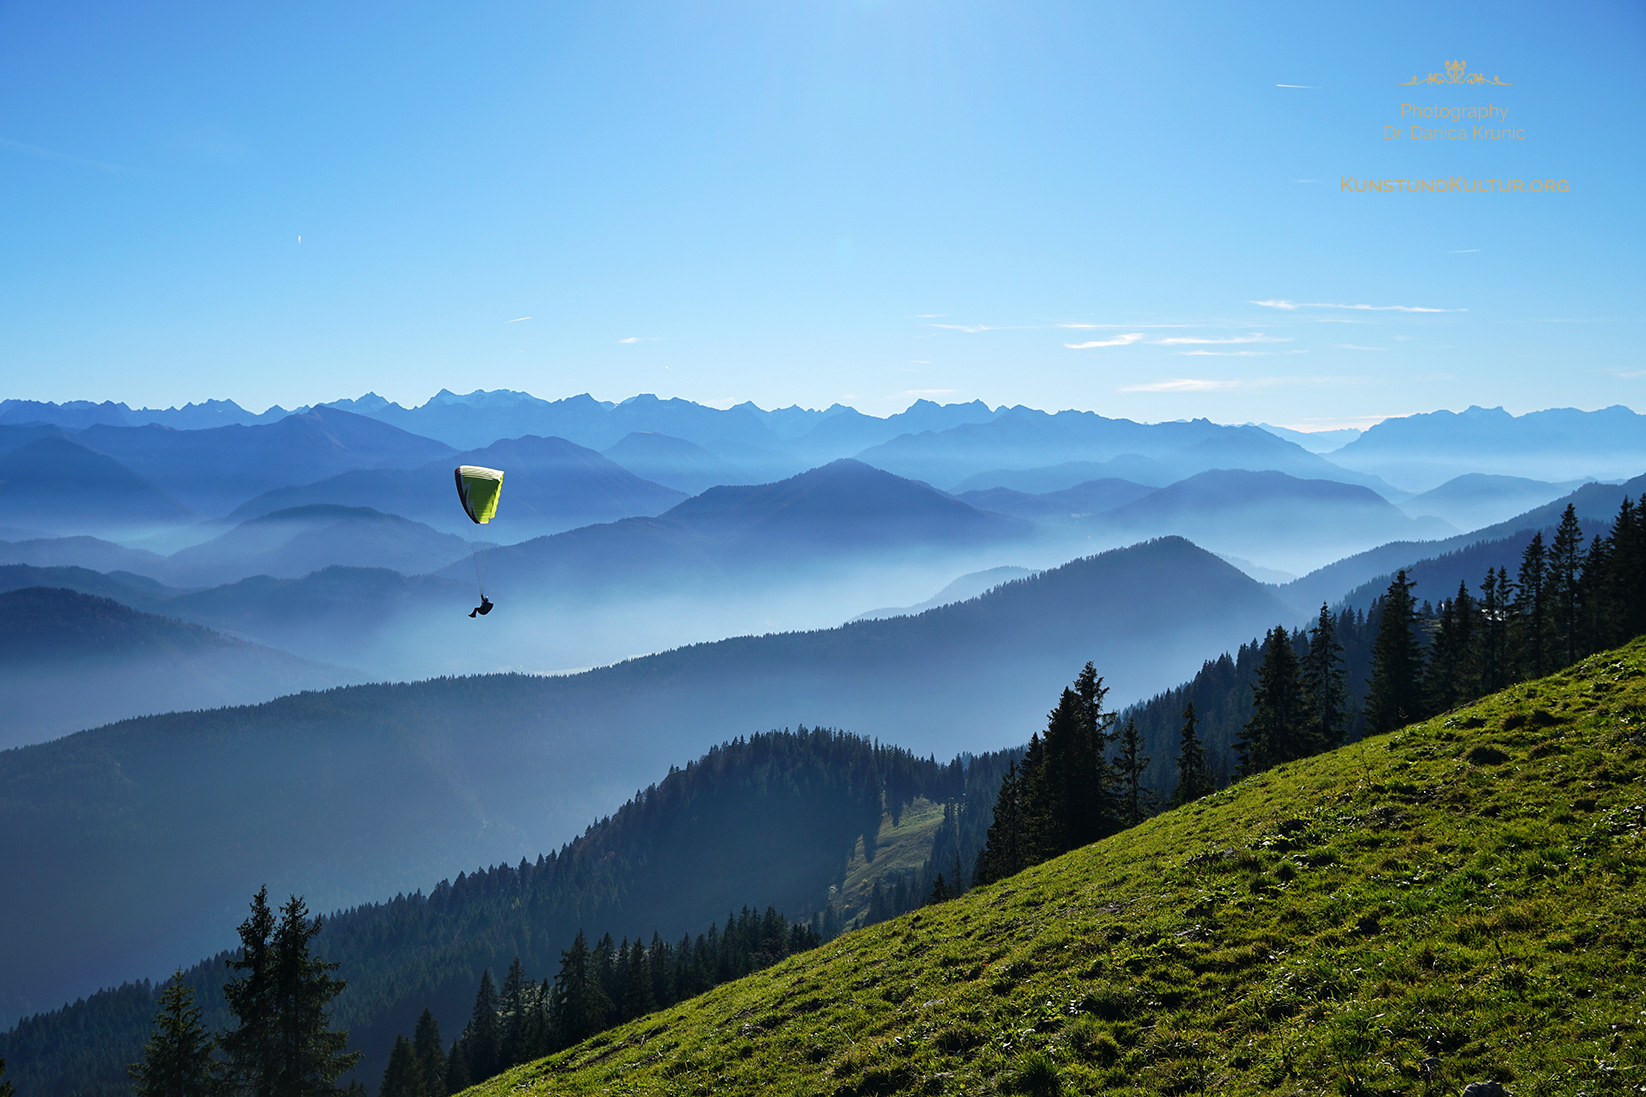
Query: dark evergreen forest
x=776 y=815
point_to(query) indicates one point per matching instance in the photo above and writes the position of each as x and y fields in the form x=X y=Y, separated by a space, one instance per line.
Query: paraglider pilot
x=478 y=489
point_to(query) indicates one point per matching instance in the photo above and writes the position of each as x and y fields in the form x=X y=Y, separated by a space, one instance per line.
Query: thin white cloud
x=642 y=339
x=517 y=319
x=1628 y=374
x=1077 y=325
x=1184 y=340
x=1118 y=341
x=1224 y=354
x=1278 y=303
x=1311 y=87
x=930 y=315
x=1183 y=384
x=1463 y=251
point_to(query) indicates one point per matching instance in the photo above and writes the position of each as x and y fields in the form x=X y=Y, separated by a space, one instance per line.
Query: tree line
x=1082 y=778
x=595 y=988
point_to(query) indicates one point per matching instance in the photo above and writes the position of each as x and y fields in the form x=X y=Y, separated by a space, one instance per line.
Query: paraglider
x=478 y=489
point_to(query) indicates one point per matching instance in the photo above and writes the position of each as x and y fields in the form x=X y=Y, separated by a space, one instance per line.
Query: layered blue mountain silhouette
x=357 y=793
x=70 y=660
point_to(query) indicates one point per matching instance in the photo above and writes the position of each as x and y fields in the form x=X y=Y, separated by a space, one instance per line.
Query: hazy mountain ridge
x=416 y=779
x=70 y=661
x=1422 y=451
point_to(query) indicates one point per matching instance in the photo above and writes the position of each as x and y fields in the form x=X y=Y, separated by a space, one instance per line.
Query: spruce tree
x=1491 y=660
x=313 y=1054
x=1530 y=617
x=431 y=1056
x=481 y=1038
x=1131 y=764
x=514 y=1006
x=1325 y=687
x=1093 y=787
x=1194 y=778
x=177 y=1060
x=401 y=1078
x=581 y=1004
x=1395 y=696
x=1274 y=733
x=283 y=1045
x=1449 y=678
x=6 y=1088
x=1003 y=853
x=638 y=997
x=252 y=1046
x=1563 y=573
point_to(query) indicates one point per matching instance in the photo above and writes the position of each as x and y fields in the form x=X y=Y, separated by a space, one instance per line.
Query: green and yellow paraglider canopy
x=478 y=488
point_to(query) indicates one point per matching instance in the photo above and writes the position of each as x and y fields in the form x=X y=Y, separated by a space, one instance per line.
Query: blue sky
x=1063 y=205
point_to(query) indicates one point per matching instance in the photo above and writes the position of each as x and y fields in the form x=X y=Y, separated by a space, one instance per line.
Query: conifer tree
x=581 y=1004
x=284 y=1045
x=6 y=1088
x=1003 y=853
x=401 y=1078
x=251 y=1046
x=1491 y=658
x=1194 y=779
x=1325 y=686
x=1563 y=572
x=481 y=1038
x=1131 y=764
x=431 y=1056
x=638 y=998
x=1448 y=675
x=514 y=1005
x=1529 y=630
x=1395 y=696
x=177 y=1060
x=1093 y=788
x=1274 y=733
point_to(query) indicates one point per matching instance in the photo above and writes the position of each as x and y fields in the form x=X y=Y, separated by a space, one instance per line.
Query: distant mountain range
x=56 y=484
x=70 y=661
x=360 y=792
x=1023 y=438
x=842 y=510
x=1422 y=451
x=551 y=485
x=1596 y=505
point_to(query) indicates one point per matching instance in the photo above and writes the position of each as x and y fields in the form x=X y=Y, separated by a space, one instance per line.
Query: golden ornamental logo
x=1454 y=74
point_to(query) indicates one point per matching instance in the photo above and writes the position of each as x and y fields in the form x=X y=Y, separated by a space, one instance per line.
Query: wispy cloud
x=517 y=319
x=1628 y=374
x=1183 y=340
x=1118 y=341
x=1278 y=303
x=1224 y=353
x=1183 y=384
x=1080 y=325
x=973 y=329
x=1463 y=251
x=1311 y=87
x=67 y=158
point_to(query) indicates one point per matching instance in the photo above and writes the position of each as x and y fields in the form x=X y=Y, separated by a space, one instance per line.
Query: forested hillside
x=771 y=819
x=1452 y=903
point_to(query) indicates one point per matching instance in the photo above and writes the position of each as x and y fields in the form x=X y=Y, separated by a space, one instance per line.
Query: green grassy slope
x=1455 y=902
